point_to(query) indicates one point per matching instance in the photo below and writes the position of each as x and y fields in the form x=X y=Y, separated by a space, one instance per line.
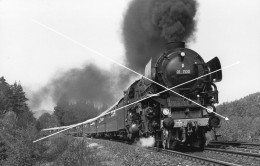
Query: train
x=179 y=115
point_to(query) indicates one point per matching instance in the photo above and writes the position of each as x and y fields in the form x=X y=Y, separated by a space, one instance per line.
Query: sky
x=32 y=54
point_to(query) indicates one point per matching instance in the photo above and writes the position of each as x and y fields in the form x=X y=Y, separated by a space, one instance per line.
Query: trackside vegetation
x=244 y=123
x=19 y=128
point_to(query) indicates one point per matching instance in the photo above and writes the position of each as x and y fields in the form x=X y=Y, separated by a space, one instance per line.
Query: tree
x=61 y=108
x=47 y=120
x=25 y=118
x=59 y=113
x=20 y=107
x=244 y=119
x=9 y=119
x=5 y=97
x=16 y=135
x=83 y=110
x=79 y=110
x=69 y=118
x=12 y=99
x=18 y=99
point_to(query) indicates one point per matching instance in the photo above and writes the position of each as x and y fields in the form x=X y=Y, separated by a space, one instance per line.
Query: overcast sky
x=32 y=54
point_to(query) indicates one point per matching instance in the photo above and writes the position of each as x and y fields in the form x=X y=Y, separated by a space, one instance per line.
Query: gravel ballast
x=117 y=154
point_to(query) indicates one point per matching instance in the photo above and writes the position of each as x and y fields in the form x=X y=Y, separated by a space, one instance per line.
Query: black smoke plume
x=150 y=24
x=91 y=84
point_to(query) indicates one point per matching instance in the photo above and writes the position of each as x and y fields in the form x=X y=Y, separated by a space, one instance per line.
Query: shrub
x=55 y=147
x=78 y=154
x=19 y=146
x=19 y=149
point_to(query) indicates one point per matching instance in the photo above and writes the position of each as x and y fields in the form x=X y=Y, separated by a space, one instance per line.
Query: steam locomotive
x=169 y=117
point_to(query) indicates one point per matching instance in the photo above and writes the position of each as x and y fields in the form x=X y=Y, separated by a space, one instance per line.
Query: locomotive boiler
x=170 y=117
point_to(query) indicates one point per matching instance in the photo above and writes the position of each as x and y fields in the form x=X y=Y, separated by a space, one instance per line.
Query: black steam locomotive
x=169 y=117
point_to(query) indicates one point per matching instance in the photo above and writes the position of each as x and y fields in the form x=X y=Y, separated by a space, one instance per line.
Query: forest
x=244 y=119
x=19 y=128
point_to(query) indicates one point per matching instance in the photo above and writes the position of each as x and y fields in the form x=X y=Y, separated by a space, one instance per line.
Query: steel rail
x=255 y=155
x=233 y=143
x=193 y=157
x=250 y=144
x=185 y=156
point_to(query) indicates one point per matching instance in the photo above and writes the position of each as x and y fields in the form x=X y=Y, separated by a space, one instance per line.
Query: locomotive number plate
x=183 y=72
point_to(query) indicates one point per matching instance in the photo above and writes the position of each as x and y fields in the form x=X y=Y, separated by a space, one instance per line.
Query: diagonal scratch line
x=110 y=59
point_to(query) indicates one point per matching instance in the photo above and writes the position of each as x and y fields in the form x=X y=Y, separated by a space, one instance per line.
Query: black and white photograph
x=129 y=82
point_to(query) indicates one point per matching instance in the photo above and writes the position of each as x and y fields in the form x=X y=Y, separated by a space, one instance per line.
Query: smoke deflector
x=213 y=65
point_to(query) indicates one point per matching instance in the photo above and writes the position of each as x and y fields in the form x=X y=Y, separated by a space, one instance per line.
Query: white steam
x=146 y=142
x=209 y=137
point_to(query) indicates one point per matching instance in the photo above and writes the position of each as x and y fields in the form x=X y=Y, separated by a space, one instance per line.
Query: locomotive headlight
x=166 y=111
x=210 y=109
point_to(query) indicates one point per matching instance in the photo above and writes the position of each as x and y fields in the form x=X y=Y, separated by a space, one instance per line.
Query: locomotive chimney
x=173 y=45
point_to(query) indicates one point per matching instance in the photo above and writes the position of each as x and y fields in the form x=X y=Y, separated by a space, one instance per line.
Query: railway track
x=250 y=146
x=210 y=156
x=235 y=158
x=224 y=144
x=238 y=146
x=194 y=158
x=200 y=160
x=252 y=155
